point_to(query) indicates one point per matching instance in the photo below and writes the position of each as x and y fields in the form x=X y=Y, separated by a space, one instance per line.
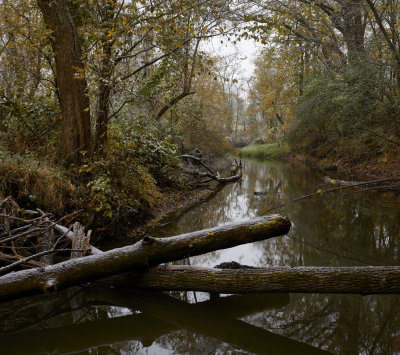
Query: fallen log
x=363 y=280
x=140 y=256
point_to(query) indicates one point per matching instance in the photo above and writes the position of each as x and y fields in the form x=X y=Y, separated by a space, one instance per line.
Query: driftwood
x=33 y=239
x=70 y=235
x=140 y=256
x=344 y=280
x=236 y=173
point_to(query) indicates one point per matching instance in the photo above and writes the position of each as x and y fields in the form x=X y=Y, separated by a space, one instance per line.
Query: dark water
x=337 y=229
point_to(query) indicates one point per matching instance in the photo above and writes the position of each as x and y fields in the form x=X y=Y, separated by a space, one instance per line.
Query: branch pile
x=30 y=239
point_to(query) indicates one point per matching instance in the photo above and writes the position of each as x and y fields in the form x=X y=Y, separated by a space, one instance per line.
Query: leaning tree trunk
x=351 y=280
x=140 y=256
x=71 y=82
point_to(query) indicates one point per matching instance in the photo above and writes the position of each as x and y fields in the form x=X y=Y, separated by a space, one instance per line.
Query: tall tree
x=70 y=78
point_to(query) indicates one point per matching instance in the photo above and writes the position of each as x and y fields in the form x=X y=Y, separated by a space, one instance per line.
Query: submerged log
x=139 y=256
x=363 y=280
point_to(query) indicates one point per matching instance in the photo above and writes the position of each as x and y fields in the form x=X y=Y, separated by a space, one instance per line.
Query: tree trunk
x=71 y=82
x=106 y=71
x=351 y=280
x=140 y=256
x=353 y=28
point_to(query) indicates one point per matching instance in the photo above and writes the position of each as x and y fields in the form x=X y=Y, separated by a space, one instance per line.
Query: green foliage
x=26 y=122
x=342 y=111
x=124 y=181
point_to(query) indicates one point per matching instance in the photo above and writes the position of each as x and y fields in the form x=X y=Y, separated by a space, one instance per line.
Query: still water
x=337 y=229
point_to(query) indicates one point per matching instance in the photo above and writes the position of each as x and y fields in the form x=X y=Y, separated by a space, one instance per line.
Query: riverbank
x=264 y=151
x=174 y=203
x=385 y=166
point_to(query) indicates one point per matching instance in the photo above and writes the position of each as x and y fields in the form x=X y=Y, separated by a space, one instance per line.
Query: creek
x=336 y=229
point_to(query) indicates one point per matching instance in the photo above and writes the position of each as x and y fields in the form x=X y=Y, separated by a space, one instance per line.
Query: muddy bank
x=175 y=202
x=342 y=168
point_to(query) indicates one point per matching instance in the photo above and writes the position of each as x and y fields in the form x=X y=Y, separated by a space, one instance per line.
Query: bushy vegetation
x=95 y=114
x=36 y=182
x=328 y=82
x=349 y=116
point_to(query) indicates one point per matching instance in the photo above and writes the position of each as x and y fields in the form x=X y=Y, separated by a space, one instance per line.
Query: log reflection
x=161 y=315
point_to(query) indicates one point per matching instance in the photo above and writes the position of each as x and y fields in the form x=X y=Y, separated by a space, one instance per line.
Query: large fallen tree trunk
x=351 y=280
x=140 y=256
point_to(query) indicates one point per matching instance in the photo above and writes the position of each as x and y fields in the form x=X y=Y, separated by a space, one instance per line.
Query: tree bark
x=364 y=280
x=140 y=256
x=71 y=81
x=173 y=102
x=106 y=71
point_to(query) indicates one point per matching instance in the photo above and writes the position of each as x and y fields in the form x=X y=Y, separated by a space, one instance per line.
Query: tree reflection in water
x=330 y=230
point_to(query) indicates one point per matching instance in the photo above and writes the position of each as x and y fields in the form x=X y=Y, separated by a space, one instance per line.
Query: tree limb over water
x=140 y=256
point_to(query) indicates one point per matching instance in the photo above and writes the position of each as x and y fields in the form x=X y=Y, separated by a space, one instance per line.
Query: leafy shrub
x=124 y=181
x=345 y=110
x=27 y=122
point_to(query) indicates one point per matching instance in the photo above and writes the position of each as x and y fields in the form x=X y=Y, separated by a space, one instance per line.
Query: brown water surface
x=337 y=229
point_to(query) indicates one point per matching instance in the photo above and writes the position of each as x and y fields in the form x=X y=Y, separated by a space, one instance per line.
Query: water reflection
x=331 y=230
x=337 y=229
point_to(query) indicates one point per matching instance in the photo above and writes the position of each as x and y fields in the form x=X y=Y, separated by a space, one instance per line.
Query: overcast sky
x=246 y=50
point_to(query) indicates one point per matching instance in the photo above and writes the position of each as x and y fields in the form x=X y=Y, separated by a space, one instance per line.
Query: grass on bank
x=264 y=151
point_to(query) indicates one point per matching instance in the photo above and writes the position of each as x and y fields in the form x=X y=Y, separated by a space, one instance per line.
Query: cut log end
x=50 y=286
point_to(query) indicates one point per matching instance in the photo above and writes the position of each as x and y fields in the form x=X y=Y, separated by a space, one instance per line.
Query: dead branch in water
x=236 y=172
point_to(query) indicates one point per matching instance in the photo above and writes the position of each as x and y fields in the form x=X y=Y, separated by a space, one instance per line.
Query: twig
x=319 y=193
x=29 y=233
x=369 y=189
x=16 y=230
x=4 y=269
x=5 y=200
x=31 y=263
x=200 y=161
